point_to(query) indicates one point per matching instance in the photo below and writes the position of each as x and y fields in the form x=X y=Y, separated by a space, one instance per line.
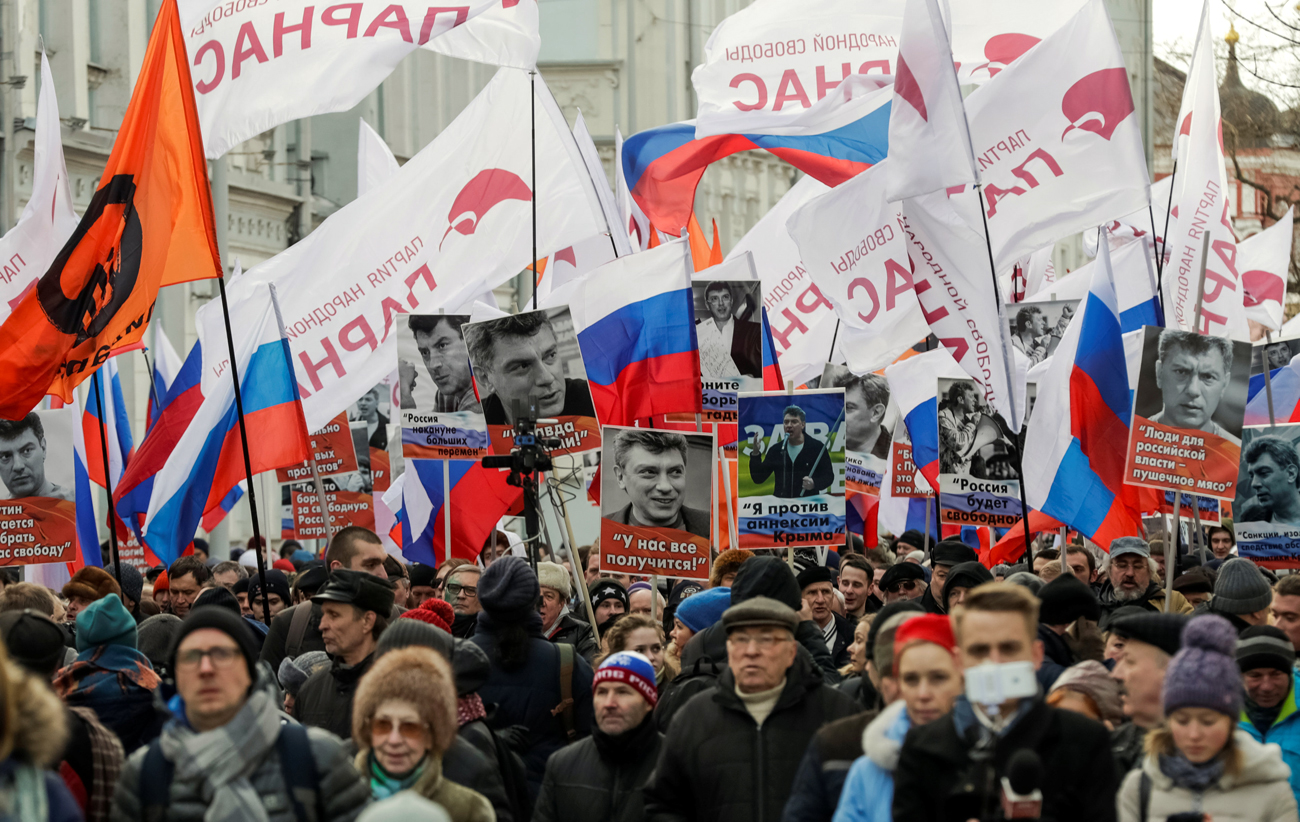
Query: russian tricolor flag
x=663 y=165
x=166 y=366
x=208 y=460
x=913 y=386
x=1134 y=285
x=212 y=518
x=87 y=528
x=636 y=327
x=179 y=405
x=478 y=498
x=1286 y=396
x=772 y=377
x=1079 y=430
x=105 y=392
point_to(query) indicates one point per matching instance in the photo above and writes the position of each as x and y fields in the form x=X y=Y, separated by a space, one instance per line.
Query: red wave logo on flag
x=1098 y=103
x=905 y=86
x=1260 y=286
x=489 y=188
x=1004 y=49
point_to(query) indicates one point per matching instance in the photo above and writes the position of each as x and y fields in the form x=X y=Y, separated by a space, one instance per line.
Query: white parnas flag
x=450 y=224
x=1056 y=140
x=48 y=220
x=256 y=64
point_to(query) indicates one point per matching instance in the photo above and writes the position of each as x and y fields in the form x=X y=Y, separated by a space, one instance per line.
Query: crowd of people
x=906 y=681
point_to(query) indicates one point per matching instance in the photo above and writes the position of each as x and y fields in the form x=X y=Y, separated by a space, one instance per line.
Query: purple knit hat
x=1204 y=674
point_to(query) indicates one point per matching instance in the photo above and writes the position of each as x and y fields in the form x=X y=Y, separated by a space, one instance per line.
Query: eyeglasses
x=455 y=589
x=381 y=727
x=221 y=658
x=765 y=642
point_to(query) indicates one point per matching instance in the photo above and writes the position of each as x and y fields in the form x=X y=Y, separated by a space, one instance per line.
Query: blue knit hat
x=1204 y=674
x=629 y=668
x=105 y=622
x=703 y=609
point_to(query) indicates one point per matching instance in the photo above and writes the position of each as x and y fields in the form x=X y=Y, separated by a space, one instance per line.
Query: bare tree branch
x=1246 y=19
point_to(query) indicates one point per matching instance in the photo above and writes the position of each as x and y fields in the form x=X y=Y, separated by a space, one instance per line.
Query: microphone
x=1021 y=794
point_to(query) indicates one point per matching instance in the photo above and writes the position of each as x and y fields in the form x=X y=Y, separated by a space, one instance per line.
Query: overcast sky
x=1175 y=20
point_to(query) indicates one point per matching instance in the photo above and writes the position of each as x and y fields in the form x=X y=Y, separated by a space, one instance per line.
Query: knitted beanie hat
x=132 y=582
x=436 y=612
x=934 y=628
x=704 y=609
x=630 y=668
x=105 y=622
x=1241 y=588
x=1204 y=674
x=508 y=590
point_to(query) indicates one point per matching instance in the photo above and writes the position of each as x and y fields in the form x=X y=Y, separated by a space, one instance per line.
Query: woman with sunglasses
x=403 y=721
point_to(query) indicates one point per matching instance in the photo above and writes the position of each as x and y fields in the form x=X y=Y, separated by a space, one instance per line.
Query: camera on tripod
x=530 y=452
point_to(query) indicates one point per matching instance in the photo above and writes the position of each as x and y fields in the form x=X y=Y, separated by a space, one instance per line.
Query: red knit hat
x=161 y=583
x=434 y=611
x=936 y=628
x=284 y=565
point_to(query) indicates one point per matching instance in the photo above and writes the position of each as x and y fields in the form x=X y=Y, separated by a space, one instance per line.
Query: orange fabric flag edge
x=149 y=224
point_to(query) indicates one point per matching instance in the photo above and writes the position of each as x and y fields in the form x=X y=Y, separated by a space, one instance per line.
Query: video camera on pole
x=529 y=456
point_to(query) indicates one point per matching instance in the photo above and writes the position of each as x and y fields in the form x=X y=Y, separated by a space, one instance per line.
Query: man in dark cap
x=424 y=581
x=1195 y=586
x=609 y=599
x=904 y=580
x=354 y=612
x=962 y=577
x=912 y=540
x=277 y=594
x=946 y=554
x=817 y=591
x=733 y=756
x=1150 y=641
x=225 y=752
x=1063 y=602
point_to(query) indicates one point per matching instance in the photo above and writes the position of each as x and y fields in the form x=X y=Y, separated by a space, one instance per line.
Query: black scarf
x=629 y=746
x=1262 y=718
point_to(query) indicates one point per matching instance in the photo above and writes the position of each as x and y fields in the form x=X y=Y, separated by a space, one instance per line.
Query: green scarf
x=383 y=784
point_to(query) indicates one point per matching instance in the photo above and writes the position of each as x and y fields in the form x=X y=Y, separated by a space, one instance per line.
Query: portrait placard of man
x=22 y=460
x=366 y=409
x=446 y=362
x=517 y=359
x=653 y=469
x=729 y=346
x=1192 y=372
x=866 y=399
x=1272 y=478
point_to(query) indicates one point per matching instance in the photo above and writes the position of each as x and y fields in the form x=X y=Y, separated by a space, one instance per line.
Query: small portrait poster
x=656 y=502
x=440 y=415
x=38 y=500
x=791 y=469
x=1036 y=328
x=979 y=478
x=1267 y=506
x=728 y=327
x=1187 y=413
x=334 y=449
x=530 y=364
x=1277 y=354
x=869 y=418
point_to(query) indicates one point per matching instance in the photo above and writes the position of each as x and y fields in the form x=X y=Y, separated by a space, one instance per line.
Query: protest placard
x=38 y=503
x=1187 y=413
x=869 y=417
x=979 y=474
x=791 y=469
x=441 y=416
x=729 y=328
x=532 y=360
x=905 y=479
x=1267 y=506
x=347 y=506
x=1036 y=328
x=655 y=502
x=334 y=450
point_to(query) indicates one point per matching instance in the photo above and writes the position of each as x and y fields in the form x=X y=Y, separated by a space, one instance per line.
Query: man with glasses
x=461 y=592
x=906 y=580
x=733 y=755
x=354 y=612
x=226 y=749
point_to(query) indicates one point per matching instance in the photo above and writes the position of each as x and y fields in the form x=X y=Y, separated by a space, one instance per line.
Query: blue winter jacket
x=1285 y=732
x=868 y=794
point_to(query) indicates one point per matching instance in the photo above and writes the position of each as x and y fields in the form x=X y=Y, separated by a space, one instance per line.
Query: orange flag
x=150 y=224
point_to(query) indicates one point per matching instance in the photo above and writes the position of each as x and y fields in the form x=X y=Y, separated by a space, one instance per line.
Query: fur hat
x=91 y=583
x=414 y=674
x=728 y=562
x=553 y=575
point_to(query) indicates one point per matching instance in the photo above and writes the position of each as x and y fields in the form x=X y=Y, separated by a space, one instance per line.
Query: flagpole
x=726 y=485
x=97 y=386
x=243 y=441
x=446 y=511
x=1196 y=520
x=1173 y=549
x=320 y=495
x=1164 y=239
x=834 y=338
x=532 y=104
x=153 y=386
x=1011 y=375
x=1268 y=380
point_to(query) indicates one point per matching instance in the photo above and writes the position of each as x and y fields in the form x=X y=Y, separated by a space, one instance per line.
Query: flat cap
x=952 y=552
x=901 y=572
x=760 y=611
x=1165 y=631
x=369 y=593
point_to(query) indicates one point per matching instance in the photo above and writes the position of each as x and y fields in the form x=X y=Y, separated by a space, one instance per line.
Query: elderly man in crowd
x=1130 y=580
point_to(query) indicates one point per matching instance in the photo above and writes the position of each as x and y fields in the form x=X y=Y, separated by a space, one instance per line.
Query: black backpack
x=297 y=765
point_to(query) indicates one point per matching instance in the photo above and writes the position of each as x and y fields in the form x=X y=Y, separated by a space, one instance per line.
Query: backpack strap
x=298 y=767
x=155 y=783
x=297 y=629
x=1144 y=796
x=565 y=709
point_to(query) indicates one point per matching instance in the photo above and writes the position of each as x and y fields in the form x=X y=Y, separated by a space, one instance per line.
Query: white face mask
x=993 y=683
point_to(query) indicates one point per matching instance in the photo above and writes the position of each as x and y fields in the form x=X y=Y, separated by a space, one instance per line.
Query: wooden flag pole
x=97 y=386
x=573 y=561
x=726 y=485
x=320 y=495
x=1268 y=380
x=446 y=512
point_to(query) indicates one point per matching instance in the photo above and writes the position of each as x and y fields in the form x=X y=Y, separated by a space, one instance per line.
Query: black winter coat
x=577 y=633
x=325 y=699
x=813 y=461
x=465 y=765
x=820 y=780
x=936 y=779
x=718 y=765
x=582 y=785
